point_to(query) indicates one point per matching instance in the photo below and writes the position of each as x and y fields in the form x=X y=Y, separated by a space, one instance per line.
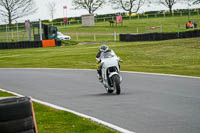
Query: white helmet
x=104 y=48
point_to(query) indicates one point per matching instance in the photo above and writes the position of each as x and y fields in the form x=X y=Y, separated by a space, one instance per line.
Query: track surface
x=148 y=103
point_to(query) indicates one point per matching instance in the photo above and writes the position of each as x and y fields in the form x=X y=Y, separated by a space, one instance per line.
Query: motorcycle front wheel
x=116 y=84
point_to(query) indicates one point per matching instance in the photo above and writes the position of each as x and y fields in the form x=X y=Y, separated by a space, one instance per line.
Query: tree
x=132 y=6
x=90 y=5
x=52 y=8
x=196 y=2
x=168 y=3
x=14 y=9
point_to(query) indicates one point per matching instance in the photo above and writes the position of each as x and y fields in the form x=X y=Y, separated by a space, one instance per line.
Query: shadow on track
x=106 y=94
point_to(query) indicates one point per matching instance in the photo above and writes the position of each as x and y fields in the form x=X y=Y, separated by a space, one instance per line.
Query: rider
x=103 y=49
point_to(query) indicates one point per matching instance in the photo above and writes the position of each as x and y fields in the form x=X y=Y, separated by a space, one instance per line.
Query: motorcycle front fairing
x=110 y=67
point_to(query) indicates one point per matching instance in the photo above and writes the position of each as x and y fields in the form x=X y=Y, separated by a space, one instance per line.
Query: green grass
x=104 y=32
x=181 y=56
x=169 y=24
x=50 y=120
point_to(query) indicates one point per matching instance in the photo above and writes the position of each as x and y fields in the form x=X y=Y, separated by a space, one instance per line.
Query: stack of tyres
x=20 y=44
x=26 y=44
x=173 y=35
x=1 y=45
x=16 y=115
x=37 y=44
x=12 y=45
x=159 y=36
x=58 y=42
x=147 y=37
x=40 y=43
x=126 y=37
x=197 y=33
x=32 y=44
x=6 y=46
x=29 y=44
x=152 y=36
x=122 y=37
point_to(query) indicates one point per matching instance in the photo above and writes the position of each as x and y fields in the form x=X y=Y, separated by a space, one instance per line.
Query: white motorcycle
x=111 y=77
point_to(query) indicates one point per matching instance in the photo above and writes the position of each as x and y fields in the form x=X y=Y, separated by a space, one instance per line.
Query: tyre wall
x=17 y=115
x=158 y=36
x=25 y=44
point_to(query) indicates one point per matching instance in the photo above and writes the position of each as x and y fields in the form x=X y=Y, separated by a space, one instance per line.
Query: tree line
x=11 y=10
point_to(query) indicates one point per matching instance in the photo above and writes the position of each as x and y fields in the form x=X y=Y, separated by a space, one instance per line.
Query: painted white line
x=160 y=74
x=74 y=112
x=71 y=69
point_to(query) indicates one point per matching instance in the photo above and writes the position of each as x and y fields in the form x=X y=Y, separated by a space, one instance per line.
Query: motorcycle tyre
x=110 y=91
x=116 y=84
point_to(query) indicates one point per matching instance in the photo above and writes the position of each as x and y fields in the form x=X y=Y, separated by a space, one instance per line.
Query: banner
x=119 y=19
x=65 y=20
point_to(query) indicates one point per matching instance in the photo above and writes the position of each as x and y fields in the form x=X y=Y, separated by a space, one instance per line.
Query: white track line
x=74 y=112
x=144 y=73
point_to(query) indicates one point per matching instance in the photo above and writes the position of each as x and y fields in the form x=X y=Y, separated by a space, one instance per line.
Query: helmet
x=104 y=48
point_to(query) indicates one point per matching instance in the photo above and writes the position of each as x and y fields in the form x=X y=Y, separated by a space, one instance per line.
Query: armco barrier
x=24 y=44
x=158 y=36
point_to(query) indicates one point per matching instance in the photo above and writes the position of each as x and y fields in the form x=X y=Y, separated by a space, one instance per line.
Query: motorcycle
x=111 y=77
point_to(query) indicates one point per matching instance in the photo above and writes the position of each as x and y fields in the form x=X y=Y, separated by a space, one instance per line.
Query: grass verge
x=50 y=120
x=181 y=56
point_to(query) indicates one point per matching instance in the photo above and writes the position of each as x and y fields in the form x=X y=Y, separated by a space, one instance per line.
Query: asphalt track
x=148 y=103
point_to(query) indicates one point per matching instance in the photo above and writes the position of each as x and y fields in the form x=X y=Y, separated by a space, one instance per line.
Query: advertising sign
x=65 y=20
x=119 y=19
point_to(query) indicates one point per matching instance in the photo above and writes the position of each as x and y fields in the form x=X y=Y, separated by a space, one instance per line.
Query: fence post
x=40 y=26
x=138 y=16
x=115 y=36
x=147 y=16
x=7 y=33
x=137 y=30
x=12 y=34
x=29 y=30
x=17 y=32
x=178 y=29
x=197 y=12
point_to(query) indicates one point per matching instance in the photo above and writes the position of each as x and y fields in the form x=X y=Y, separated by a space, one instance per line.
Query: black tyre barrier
x=15 y=108
x=17 y=125
x=17 y=115
x=24 y=44
x=58 y=42
x=28 y=131
x=158 y=36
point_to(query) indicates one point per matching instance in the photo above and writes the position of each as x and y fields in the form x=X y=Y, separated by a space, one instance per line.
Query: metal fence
x=13 y=33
